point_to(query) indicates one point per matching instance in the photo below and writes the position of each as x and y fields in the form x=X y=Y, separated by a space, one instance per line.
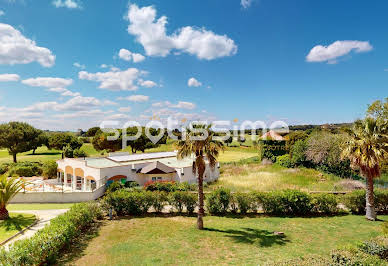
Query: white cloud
x=76 y=64
x=337 y=49
x=147 y=83
x=48 y=82
x=78 y=103
x=184 y=105
x=104 y=66
x=246 y=3
x=17 y=49
x=124 y=109
x=151 y=33
x=9 y=77
x=192 y=82
x=135 y=98
x=137 y=57
x=65 y=92
x=125 y=54
x=180 y=105
x=71 y=4
x=128 y=56
x=113 y=80
x=109 y=102
x=2 y=13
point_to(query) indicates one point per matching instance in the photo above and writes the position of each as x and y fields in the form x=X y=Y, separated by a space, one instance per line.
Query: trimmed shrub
x=284 y=160
x=217 y=202
x=160 y=200
x=49 y=169
x=45 y=246
x=287 y=202
x=145 y=200
x=355 y=201
x=244 y=202
x=324 y=203
x=124 y=202
x=25 y=169
x=190 y=202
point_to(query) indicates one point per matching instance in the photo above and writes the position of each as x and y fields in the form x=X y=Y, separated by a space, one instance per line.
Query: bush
x=49 y=169
x=176 y=199
x=160 y=200
x=217 y=202
x=324 y=203
x=244 y=202
x=190 y=202
x=377 y=246
x=355 y=201
x=77 y=153
x=131 y=184
x=287 y=202
x=284 y=160
x=354 y=257
x=45 y=246
x=114 y=187
x=298 y=153
x=385 y=227
x=3 y=169
x=124 y=202
x=25 y=169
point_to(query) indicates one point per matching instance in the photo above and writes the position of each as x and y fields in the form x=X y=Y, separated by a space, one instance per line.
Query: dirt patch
x=350 y=184
x=291 y=170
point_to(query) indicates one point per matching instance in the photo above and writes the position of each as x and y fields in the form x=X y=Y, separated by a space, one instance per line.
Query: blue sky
x=68 y=64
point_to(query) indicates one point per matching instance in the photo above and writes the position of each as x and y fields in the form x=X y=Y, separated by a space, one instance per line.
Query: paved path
x=43 y=216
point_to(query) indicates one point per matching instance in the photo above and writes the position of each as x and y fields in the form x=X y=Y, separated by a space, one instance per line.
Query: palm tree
x=8 y=189
x=203 y=148
x=366 y=148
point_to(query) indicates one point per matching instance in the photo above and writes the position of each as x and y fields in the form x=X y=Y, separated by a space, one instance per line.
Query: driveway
x=43 y=216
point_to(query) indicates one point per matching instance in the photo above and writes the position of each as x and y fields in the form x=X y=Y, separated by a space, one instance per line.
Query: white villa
x=88 y=174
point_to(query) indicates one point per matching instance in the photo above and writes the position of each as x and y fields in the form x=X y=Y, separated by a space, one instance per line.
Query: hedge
x=125 y=202
x=45 y=246
x=355 y=201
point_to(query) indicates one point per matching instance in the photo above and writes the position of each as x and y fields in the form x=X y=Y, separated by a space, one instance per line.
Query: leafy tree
x=92 y=131
x=298 y=152
x=228 y=141
x=79 y=153
x=204 y=148
x=40 y=140
x=17 y=137
x=60 y=141
x=100 y=142
x=293 y=137
x=366 y=148
x=143 y=142
x=9 y=187
x=378 y=110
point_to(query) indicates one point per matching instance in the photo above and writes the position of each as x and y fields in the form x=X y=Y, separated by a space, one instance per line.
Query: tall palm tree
x=203 y=148
x=8 y=189
x=366 y=148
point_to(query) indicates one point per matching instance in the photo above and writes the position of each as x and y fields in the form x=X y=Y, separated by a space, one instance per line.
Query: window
x=153 y=178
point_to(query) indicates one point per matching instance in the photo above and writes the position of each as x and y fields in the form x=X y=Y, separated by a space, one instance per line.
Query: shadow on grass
x=252 y=236
x=17 y=222
x=44 y=153
x=76 y=248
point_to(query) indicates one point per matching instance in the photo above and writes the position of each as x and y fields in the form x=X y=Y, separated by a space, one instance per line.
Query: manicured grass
x=241 y=241
x=37 y=206
x=257 y=177
x=14 y=224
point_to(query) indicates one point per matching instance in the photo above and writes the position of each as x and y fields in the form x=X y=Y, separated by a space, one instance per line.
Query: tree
x=228 y=141
x=60 y=141
x=92 y=131
x=8 y=189
x=17 y=137
x=100 y=142
x=40 y=140
x=204 y=148
x=366 y=148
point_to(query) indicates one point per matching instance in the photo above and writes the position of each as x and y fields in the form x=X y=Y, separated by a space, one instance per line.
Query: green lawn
x=14 y=224
x=248 y=241
x=248 y=177
x=38 y=206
